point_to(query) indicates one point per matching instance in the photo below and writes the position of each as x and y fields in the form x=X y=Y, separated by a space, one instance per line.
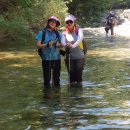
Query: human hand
x=50 y=44
x=69 y=45
x=58 y=44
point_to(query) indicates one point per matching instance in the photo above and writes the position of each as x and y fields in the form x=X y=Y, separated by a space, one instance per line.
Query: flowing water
x=103 y=102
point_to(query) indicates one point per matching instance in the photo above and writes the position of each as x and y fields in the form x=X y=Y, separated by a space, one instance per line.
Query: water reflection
x=103 y=101
x=75 y=91
x=51 y=93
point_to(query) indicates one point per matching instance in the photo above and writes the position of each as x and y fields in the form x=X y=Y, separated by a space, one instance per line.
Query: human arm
x=38 y=39
x=40 y=43
x=79 y=38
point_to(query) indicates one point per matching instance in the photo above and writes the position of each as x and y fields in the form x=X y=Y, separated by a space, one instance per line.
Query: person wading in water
x=74 y=52
x=48 y=42
x=110 y=23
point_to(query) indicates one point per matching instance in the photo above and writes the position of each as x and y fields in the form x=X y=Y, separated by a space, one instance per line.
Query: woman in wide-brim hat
x=49 y=41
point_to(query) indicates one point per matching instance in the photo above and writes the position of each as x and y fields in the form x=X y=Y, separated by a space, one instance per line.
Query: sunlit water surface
x=103 y=102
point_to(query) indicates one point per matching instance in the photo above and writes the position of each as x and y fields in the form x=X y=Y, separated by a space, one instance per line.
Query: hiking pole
x=68 y=67
x=50 y=67
x=52 y=72
x=69 y=70
x=50 y=64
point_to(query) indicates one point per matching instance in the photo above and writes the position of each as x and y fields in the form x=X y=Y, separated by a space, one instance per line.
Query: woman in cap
x=75 y=55
x=48 y=41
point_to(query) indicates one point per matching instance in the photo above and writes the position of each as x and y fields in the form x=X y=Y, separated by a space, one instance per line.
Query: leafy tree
x=89 y=12
x=13 y=24
x=57 y=8
x=17 y=17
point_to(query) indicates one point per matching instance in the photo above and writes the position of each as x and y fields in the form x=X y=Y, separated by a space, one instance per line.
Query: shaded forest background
x=21 y=19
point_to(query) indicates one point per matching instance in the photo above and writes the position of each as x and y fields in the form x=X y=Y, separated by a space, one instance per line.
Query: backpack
x=43 y=39
x=83 y=44
x=111 y=20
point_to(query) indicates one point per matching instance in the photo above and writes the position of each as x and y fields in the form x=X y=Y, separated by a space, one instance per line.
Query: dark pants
x=75 y=70
x=51 y=69
x=111 y=28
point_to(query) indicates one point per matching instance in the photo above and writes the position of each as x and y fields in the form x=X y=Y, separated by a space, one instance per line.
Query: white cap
x=70 y=17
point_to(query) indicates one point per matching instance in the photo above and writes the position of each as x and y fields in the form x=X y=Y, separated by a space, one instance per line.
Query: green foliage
x=87 y=11
x=120 y=4
x=18 y=17
x=56 y=8
x=14 y=29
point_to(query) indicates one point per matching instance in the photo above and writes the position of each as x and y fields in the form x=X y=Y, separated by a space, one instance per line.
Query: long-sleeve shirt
x=75 y=39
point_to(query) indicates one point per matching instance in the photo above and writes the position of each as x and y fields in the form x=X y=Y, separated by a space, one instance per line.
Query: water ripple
x=125 y=86
x=101 y=126
x=92 y=84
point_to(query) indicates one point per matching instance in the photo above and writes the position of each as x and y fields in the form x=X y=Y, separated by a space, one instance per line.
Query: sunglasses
x=69 y=21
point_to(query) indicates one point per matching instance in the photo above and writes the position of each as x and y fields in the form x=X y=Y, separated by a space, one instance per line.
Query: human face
x=69 y=23
x=52 y=23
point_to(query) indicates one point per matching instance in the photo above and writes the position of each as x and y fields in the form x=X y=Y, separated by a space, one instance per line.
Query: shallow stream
x=103 y=102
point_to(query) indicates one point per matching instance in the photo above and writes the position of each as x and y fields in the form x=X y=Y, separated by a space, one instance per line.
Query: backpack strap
x=43 y=35
x=58 y=36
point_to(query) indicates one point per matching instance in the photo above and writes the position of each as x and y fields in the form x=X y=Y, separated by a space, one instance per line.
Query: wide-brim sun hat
x=70 y=17
x=54 y=18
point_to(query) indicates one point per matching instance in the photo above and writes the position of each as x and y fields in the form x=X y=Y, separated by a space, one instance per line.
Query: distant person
x=110 y=23
x=74 y=52
x=48 y=42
